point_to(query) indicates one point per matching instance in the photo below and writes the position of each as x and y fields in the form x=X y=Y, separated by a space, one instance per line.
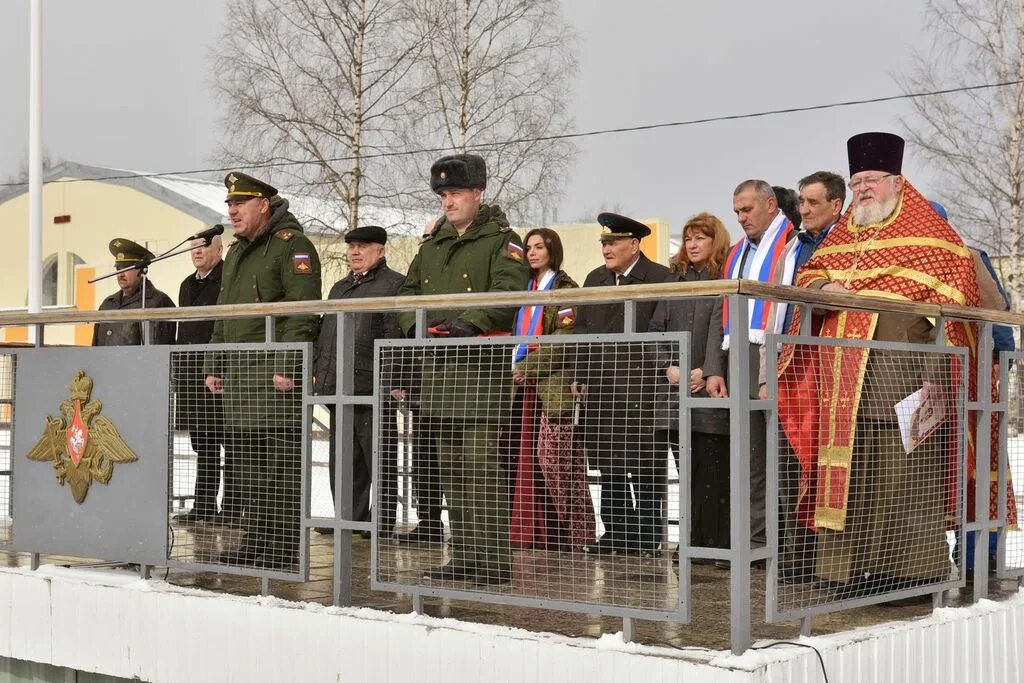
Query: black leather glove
x=461 y=328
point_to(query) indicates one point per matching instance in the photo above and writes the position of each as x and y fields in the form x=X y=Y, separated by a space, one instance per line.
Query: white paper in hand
x=918 y=415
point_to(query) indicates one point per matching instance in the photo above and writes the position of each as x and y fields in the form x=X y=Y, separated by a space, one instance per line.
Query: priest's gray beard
x=875 y=212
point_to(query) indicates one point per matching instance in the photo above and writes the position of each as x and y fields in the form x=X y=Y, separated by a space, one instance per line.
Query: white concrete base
x=110 y=623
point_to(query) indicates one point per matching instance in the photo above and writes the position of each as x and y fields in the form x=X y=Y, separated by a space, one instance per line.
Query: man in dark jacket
x=617 y=382
x=466 y=395
x=369 y=277
x=136 y=291
x=270 y=260
x=198 y=411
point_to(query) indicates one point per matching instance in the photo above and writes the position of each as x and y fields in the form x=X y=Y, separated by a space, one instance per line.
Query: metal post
x=982 y=459
x=343 y=428
x=628 y=630
x=35 y=159
x=629 y=316
x=739 y=481
x=34 y=561
x=269 y=329
x=417 y=603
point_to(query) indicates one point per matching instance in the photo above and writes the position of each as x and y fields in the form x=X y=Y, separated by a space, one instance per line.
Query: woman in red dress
x=551 y=504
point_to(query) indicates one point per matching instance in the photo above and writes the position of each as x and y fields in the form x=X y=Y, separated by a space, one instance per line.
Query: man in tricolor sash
x=879 y=506
x=754 y=257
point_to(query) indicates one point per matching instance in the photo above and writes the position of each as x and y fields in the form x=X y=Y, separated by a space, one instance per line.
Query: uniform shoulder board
x=426 y=238
x=284 y=234
x=505 y=228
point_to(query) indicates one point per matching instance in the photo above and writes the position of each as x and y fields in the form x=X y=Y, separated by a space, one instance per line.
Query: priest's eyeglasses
x=867 y=181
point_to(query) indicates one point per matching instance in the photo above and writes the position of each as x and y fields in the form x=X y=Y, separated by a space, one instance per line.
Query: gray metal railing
x=740 y=555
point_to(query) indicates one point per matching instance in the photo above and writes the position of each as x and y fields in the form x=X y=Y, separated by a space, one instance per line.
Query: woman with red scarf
x=551 y=504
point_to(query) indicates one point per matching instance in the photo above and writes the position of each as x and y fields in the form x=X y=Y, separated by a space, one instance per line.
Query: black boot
x=427 y=531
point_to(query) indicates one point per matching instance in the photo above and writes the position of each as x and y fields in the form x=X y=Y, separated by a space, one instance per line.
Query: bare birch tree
x=973 y=138
x=314 y=90
x=500 y=75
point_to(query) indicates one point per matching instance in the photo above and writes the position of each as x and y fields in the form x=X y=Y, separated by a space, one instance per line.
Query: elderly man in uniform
x=467 y=395
x=271 y=260
x=136 y=291
x=878 y=505
x=618 y=386
x=369 y=276
x=200 y=412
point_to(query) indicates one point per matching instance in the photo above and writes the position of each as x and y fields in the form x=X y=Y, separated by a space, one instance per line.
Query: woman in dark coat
x=551 y=503
x=701 y=257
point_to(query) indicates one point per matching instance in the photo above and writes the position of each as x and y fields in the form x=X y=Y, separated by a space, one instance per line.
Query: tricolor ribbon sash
x=763 y=262
x=530 y=319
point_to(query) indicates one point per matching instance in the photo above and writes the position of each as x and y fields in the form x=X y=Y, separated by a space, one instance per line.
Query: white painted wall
x=118 y=625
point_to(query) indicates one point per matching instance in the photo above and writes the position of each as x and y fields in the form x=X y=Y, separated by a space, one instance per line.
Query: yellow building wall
x=99 y=213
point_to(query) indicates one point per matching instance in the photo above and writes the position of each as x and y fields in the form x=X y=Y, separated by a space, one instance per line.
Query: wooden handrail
x=587 y=295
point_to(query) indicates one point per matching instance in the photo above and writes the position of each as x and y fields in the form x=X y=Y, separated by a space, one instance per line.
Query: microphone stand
x=145 y=263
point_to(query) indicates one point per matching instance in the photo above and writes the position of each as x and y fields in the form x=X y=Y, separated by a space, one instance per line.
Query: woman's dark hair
x=554 y=244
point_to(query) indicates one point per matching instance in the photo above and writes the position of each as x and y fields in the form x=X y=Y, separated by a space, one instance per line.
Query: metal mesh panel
x=868 y=472
x=521 y=487
x=236 y=459
x=7 y=363
x=1013 y=558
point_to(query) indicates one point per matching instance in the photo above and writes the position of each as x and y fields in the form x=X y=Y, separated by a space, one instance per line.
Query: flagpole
x=35 y=160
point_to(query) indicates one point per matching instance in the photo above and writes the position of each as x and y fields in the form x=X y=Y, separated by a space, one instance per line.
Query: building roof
x=204 y=199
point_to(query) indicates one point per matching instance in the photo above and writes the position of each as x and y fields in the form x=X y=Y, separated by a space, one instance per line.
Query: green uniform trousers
x=477 y=492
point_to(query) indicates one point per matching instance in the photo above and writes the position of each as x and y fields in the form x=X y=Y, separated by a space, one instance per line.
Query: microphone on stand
x=208 y=234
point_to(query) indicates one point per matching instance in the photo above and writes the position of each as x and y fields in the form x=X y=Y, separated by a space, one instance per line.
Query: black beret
x=616 y=227
x=458 y=171
x=127 y=253
x=875 y=152
x=244 y=186
x=367 y=233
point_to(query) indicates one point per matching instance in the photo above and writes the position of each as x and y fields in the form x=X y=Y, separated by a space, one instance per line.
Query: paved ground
x=641 y=582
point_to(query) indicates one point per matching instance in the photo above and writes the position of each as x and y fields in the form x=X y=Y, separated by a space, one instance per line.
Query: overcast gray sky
x=126 y=84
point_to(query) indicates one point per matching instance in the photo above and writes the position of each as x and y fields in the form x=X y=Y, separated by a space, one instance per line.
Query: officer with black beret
x=136 y=291
x=369 y=276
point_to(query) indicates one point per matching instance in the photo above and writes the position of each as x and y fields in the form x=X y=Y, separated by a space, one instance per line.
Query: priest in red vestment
x=880 y=506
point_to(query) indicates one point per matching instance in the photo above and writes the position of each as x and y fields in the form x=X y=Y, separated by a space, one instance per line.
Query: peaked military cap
x=244 y=186
x=614 y=227
x=367 y=233
x=458 y=171
x=127 y=253
x=875 y=152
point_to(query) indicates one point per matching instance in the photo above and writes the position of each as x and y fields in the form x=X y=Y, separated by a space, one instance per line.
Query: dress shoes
x=278 y=561
x=450 y=572
x=606 y=545
x=193 y=518
x=244 y=556
x=491 y=577
x=428 y=531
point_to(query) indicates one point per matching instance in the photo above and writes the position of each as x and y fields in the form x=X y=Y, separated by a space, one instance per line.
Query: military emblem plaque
x=89 y=456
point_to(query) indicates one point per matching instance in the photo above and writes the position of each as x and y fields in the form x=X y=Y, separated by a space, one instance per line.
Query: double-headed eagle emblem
x=82 y=444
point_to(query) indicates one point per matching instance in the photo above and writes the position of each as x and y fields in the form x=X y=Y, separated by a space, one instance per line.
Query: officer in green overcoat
x=466 y=392
x=270 y=260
